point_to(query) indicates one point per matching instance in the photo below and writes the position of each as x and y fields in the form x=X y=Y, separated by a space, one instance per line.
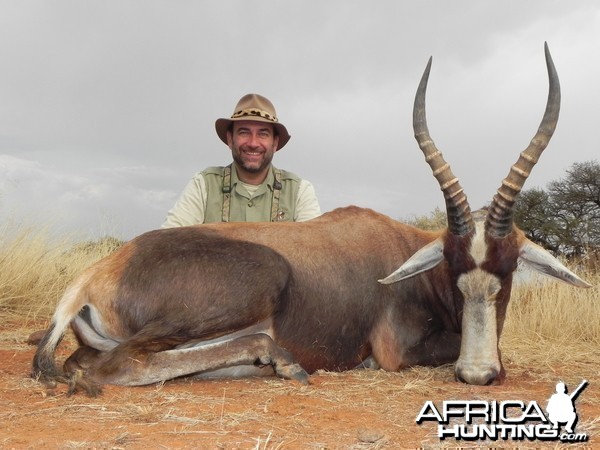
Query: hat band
x=254 y=112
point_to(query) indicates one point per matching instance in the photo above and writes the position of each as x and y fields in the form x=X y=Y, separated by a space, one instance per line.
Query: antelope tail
x=44 y=363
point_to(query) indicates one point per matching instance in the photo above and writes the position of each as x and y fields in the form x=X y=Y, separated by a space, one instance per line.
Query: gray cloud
x=107 y=108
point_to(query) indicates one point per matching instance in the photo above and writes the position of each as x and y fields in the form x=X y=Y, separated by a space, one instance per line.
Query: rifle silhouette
x=578 y=390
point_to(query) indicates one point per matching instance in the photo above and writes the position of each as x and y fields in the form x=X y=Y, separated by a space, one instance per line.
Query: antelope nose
x=478 y=377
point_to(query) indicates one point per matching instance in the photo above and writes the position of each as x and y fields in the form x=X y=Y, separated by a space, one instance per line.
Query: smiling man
x=250 y=189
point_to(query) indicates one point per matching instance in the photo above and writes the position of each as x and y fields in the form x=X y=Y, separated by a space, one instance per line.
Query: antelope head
x=482 y=249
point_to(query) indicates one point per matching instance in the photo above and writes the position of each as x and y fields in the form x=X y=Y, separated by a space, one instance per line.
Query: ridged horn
x=458 y=211
x=499 y=220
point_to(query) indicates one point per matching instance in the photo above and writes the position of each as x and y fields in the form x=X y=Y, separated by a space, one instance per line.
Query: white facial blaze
x=478 y=246
x=479 y=344
x=479 y=360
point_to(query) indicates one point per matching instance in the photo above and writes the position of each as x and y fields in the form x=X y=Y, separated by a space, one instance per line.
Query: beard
x=252 y=166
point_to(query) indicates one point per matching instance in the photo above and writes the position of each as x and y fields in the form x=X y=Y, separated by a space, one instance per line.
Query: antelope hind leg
x=75 y=368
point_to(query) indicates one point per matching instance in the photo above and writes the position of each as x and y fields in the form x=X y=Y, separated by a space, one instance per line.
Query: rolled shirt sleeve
x=307 y=204
x=189 y=208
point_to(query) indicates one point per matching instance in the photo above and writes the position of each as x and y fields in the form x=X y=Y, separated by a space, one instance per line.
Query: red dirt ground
x=364 y=409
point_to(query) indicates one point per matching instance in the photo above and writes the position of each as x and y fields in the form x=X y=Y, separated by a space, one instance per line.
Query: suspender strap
x=226 y=194
x=276 y=194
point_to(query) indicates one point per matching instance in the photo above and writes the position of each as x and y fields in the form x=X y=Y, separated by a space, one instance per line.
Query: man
x=561 y=408
x=251 y=189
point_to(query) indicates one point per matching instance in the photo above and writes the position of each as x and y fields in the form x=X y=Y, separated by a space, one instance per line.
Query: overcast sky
x=107 y=108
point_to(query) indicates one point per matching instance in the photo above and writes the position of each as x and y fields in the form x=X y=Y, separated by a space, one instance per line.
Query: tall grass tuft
x=35 y=269
x=549 y=321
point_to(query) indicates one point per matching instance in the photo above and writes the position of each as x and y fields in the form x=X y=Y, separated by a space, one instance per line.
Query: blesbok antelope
x=290 y=298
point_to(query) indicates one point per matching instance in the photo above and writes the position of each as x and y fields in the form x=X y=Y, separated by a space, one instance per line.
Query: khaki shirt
x=202 y=200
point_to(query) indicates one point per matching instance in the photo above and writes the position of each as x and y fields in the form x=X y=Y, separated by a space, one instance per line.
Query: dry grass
x=550 y=322
x=35 y=269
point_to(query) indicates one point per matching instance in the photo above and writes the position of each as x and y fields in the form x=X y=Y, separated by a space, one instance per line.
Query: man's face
x=252 y=144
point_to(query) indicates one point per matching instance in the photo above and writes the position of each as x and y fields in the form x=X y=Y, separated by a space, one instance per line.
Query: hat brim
x=222 y=125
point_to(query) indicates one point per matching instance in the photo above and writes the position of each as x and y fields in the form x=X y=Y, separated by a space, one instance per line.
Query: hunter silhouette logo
x=473 y=420
x=561 y=406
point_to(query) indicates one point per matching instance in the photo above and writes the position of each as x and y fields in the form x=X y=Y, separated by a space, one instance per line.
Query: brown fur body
x=314 y=282
x=336 y=312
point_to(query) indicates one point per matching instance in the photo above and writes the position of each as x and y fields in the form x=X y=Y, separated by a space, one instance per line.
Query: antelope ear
x=542 y=261
x=426 y=258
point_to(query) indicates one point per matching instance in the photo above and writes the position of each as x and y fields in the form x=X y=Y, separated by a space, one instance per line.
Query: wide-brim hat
x=256 y=108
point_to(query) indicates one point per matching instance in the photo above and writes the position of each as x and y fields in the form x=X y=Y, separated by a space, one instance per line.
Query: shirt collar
x=269 y=181
x=262 y=188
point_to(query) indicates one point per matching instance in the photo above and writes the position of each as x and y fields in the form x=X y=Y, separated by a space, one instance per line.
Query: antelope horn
x=458 y=211
x=499 y=219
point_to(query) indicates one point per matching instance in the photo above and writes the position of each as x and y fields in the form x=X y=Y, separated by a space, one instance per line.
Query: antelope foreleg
x=257 y=349
x=436 y=349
